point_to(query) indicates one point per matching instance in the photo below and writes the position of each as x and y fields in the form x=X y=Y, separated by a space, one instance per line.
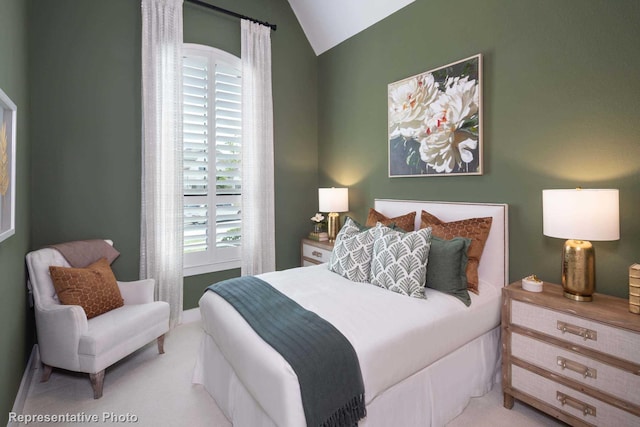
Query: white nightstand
x=577 y=361
x=313 y=252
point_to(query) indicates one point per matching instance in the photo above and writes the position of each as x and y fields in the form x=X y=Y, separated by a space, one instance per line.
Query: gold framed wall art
x=8 y=111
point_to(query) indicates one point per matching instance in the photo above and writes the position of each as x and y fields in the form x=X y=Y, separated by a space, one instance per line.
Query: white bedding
x=421 y=361
x=394 y=336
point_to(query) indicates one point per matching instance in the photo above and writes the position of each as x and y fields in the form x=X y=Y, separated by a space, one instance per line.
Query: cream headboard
x=494 y=264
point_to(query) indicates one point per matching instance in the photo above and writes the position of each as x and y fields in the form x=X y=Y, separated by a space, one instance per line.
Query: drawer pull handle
x=585 y=333
x=317 y=254
x=577 y=367
x=576 y=404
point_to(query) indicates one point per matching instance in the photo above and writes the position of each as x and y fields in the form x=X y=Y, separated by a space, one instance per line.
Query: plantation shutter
x=212 y=144
x=228 y=155
x=196 y=154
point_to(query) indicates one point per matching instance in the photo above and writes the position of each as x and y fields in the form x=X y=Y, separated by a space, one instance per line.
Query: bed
x=421 y=360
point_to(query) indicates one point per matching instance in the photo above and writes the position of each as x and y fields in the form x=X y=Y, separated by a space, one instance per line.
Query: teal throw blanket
x=326 y=364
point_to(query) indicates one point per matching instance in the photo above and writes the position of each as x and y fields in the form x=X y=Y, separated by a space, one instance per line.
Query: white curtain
x=161 y=221
x=258 y=217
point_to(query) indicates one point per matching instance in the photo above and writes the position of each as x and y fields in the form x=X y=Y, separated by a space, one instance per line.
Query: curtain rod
x=228 y=12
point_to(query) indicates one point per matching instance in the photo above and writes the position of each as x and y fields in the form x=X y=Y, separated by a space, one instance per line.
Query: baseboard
x=191 y=315
x=25 y=384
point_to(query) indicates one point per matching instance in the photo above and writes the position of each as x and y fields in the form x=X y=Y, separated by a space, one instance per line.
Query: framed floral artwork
x=435 y=121
x=7 y=166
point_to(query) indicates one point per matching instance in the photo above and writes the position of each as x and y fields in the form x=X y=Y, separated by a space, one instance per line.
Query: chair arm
x=138 y=291
x=59 y=328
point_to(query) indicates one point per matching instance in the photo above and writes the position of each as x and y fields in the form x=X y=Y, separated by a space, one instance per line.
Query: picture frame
x=8 y=121
x=435 y=121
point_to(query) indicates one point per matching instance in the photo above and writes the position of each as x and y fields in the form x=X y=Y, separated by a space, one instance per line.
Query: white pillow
x=399 y=261
x=352 y=251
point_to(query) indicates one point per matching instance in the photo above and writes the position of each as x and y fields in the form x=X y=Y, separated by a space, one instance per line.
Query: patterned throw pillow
x=405 y=222
x=94 y=288
x=351 y=256
x=476 y=229
x=400 y=260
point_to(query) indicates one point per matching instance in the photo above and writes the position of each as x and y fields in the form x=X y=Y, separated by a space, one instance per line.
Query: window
x=212 y=144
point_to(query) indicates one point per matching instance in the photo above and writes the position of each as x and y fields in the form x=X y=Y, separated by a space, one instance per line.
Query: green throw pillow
x=446 y=267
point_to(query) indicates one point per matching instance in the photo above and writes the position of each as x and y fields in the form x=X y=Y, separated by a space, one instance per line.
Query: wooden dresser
x=314 y=252
x=576 y=361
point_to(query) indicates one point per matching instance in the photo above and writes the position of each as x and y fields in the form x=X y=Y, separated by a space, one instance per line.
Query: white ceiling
x=328 y=23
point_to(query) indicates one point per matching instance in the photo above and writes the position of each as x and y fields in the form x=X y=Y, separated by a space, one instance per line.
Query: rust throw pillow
x=405 y=222
x=94 y=288
x=476 y=229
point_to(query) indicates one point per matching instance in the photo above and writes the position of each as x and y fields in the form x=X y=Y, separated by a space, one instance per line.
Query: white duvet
x=394 y=336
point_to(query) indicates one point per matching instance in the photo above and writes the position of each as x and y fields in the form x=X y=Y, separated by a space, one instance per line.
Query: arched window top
x=219 y=55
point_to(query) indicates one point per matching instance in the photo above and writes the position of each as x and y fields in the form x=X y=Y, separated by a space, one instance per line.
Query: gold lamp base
x=578 y=270
x=333 y=225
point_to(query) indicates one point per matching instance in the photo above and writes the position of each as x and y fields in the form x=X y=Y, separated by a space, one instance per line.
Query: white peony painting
x=435 y=122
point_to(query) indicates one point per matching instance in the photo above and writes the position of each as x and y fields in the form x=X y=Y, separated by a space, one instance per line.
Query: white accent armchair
x=67 y=340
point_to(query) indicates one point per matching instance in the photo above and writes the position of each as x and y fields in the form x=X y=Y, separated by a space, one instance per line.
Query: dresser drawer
x=315 y=254
x=582 y=369
x=589 y=334
x=579 y=405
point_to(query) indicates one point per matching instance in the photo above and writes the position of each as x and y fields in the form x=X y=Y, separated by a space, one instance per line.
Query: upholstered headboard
x=494 y=264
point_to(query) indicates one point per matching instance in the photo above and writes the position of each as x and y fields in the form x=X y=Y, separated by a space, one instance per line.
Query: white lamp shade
x=581 y=214
x=333 y=199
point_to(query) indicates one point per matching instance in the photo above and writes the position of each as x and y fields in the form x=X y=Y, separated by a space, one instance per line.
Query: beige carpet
x=148 y=389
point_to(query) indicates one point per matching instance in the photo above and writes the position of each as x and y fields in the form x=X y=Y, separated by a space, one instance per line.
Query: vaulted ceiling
x=327 y=23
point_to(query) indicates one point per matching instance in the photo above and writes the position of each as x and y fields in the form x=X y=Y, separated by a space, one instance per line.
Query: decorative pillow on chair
x=399 y=261
x=447 y=266
x=476 y=229
x=351 y=256
x=405 y=222
x=94 y=288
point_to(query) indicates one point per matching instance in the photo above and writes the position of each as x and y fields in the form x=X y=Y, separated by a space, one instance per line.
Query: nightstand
x=314 y=252
x=576 y=361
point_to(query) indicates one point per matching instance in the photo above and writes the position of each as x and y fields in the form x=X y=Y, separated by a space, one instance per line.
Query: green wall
x=84 y=76
x=560 y=110
x=16 y=323
x=85 y=79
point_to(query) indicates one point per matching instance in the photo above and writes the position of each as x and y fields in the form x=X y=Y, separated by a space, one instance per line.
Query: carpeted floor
x=148 y=389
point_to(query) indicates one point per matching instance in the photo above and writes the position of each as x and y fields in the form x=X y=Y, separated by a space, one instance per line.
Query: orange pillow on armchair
x=94 y=288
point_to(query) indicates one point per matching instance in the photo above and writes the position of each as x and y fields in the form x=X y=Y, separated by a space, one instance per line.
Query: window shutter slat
x=196 y=223
x=228 y=221
x=228 y=126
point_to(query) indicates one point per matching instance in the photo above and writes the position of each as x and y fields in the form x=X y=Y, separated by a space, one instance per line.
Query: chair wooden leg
x=46 y=373
x=97 y=381
x=161 y=344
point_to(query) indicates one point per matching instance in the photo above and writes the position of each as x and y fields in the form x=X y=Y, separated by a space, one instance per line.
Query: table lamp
x=333 y=200
x=580 y=215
